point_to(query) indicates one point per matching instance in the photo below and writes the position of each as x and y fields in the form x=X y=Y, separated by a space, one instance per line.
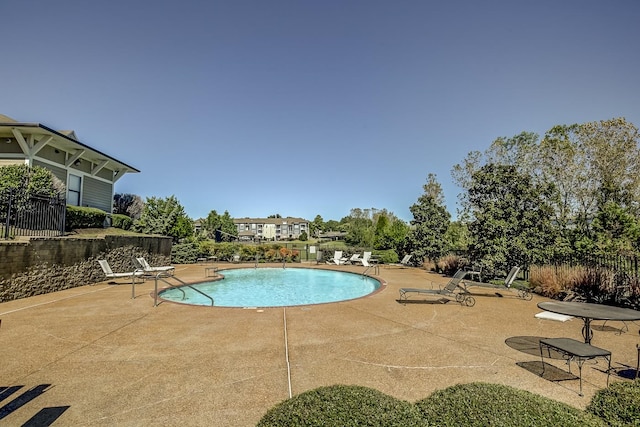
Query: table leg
x=587 y=333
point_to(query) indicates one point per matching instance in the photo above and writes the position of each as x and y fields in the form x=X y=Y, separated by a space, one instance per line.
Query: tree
x=25 y=180
x=219 y=227
x=316 y=226
x=457 y=237
x=519 y=151
x=165 y=217
x=511 y=218
x=615 y=229
x=358 y=226
x=430 y=223
x=128 y=204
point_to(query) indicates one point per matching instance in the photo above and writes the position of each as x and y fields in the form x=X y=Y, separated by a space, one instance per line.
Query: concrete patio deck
x=92 y=356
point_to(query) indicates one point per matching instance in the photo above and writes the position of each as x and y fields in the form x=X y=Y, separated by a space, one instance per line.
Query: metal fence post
x=6 y=228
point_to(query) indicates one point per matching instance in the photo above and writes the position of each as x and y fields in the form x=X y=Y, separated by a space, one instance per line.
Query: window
x=73 y=190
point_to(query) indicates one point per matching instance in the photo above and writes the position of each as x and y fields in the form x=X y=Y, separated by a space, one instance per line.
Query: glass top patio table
x=588 y=312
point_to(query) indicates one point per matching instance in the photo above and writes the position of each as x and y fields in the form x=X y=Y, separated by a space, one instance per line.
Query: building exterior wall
x=97 y=194
x=58 y=171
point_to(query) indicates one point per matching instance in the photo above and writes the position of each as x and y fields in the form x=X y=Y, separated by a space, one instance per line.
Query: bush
x=595 y=284
x=342 y=405
x=480 y=404
x=449 y=264
x=184 y=253
x=121 y=221
x=225 y=251
x=81 y=217
x=618 y=404
x=388 y=256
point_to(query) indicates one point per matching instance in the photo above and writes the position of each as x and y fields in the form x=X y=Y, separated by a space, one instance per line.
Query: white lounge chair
x=337 y=259
x=404 y=262
x=353 y=260
x=147 y=269
x=111 y=275
x=365 y=259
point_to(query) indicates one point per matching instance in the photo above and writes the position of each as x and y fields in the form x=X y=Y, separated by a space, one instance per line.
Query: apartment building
x=271 y=228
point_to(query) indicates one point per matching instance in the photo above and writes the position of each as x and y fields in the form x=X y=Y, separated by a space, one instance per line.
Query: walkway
x=95 y=357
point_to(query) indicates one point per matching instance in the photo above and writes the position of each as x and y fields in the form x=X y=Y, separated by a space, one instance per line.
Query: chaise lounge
x=448 y=291
x=111 y=275
x=147 y=269
x=523 y=293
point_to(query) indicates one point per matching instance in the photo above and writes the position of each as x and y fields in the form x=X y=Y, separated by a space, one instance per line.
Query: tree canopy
x=592 y=171
x=426 y=239
x=219 y=227
x=165 y=217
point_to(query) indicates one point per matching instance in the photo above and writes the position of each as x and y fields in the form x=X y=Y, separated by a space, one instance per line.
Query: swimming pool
x=275 y=287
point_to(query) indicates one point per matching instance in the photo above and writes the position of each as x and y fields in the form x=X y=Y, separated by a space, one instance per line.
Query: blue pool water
x=276 y=287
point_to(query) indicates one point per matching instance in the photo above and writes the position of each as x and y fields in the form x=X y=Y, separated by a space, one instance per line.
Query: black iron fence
x=626 y=265
x=34 y=215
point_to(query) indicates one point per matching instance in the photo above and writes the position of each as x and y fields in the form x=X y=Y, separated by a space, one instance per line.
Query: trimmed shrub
x=82 y=217
x=184 y=253
x=121 y=221
x=342 y=405
x=618 y=404
x=481 y=404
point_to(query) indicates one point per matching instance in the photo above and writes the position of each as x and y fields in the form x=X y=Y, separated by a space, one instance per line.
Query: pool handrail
x=163 y=275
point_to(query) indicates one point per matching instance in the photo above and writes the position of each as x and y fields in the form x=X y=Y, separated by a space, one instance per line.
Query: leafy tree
x=219 y=227
x=615 y=229
x=128 y=204
x=390 y=232
x=519 y=151
x=457 y=237
x=25 y=181
x=165 y=217
x=430 y=223
x=511 y=218
x=317 y=225
x=333 y=225
x=358 y=226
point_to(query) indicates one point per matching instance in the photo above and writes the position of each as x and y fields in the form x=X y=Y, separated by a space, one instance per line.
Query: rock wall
x=42 y=265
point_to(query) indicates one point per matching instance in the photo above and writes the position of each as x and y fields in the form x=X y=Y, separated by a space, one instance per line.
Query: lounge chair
x=365 y=259
x=337 y=259
x=353 y=260
x=448 y=291
x=111 y=275
x=474 y=271
x=144 y=265
x=523 y=293
x=403 y=263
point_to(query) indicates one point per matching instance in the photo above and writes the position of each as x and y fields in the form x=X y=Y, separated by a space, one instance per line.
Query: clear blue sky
x=312 y=107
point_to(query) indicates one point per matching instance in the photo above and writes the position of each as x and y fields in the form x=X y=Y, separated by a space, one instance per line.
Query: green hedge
x=474 y=404
x=618 y=404
x=480 y=404
x=342 y=405
x=121 y=221
x=225 y=251
x=82 y=217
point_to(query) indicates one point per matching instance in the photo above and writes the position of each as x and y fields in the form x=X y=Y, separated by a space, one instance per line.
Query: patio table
x=588 y=312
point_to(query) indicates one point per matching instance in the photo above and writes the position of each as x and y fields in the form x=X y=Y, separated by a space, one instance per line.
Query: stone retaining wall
x=42 y=265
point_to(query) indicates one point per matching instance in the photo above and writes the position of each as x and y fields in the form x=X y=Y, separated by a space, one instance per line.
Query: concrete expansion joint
x=429 y=367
